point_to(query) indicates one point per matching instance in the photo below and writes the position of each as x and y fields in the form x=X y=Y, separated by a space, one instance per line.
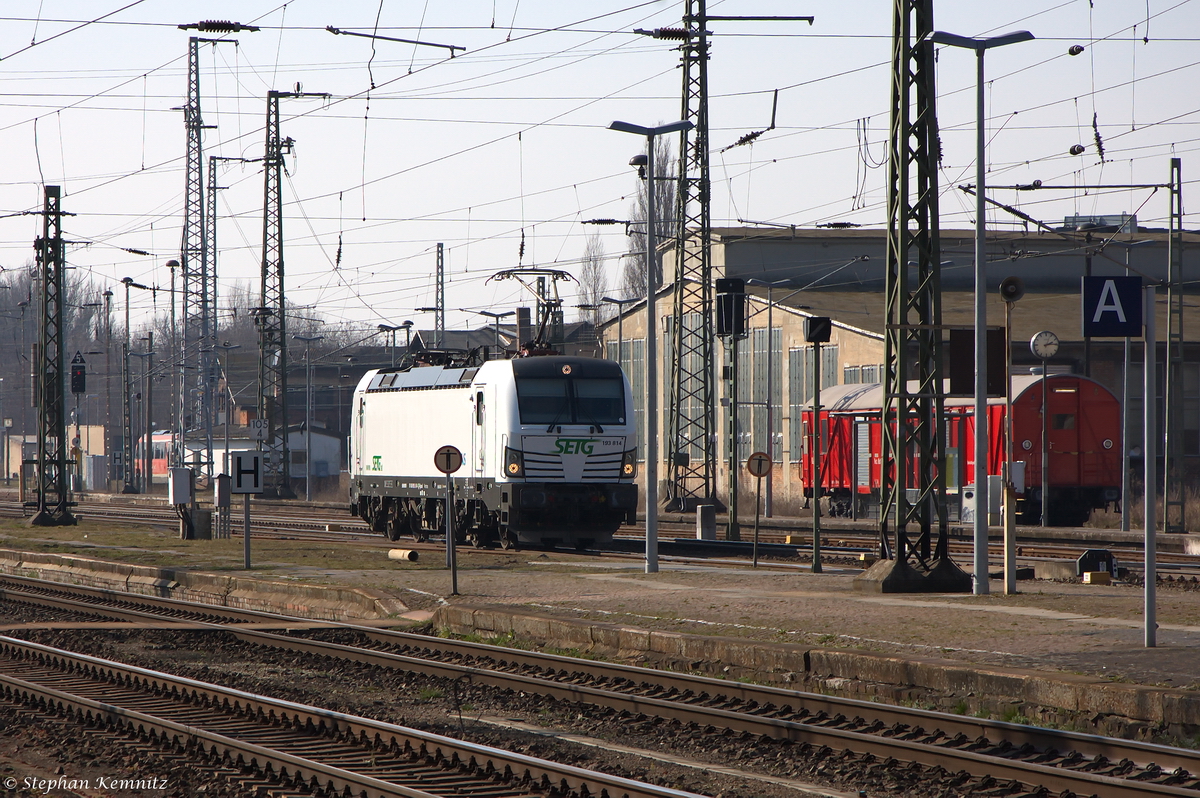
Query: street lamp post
x=309 y=340
x=651 y=332
x=980 y=46
x=147 y=481
x=383 y=328
x=108 y=437
x=770 y=285
x=620 y=303
x=225 y=347
x=495 y=317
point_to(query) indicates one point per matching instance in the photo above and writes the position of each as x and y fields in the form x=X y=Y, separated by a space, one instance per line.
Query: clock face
x=1044 y=344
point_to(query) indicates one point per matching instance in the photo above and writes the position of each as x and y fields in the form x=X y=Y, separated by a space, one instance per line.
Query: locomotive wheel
x=393 y=529
x=508 y=541
x=413 y=517
x=394 y=521
x=378 y=518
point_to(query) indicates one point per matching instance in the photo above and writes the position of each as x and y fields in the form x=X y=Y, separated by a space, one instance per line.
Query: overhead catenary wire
x=754 y=166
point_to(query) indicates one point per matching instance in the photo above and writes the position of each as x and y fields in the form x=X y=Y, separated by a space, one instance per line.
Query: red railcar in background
x=1083 y=428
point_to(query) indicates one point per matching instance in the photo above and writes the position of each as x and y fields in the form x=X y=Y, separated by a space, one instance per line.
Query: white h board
x=246 y=469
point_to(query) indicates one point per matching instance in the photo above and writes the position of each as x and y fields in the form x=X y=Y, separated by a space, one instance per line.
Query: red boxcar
x=1083 y=430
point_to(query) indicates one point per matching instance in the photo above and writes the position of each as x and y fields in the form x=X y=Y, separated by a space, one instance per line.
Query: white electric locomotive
x=549 y=451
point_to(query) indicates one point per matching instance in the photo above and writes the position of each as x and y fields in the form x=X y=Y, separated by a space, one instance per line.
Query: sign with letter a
x=1112 y=307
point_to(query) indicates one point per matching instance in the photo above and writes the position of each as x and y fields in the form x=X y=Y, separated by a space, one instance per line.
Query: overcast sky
x=507 y=140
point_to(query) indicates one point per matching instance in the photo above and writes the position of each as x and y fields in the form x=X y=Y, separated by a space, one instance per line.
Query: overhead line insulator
x=678 y=34
x=218 y=26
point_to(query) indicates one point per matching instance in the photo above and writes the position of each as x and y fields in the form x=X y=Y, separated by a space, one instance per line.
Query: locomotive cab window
x=599 y=401
x=543 y=400
x=568 y=400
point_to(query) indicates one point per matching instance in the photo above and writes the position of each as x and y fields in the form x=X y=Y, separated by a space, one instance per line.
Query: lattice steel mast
x=53 y=498
x=913 y=408
x=439 y=318
x=691 y=425
x=1173 y=463
x=195 y=352
x=208 y=344
x=691 y=444
x=197 y=311
x=271 y=316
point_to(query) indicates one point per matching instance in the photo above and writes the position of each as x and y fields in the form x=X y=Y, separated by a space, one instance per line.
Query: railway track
x=990 y=752
x=293 y=745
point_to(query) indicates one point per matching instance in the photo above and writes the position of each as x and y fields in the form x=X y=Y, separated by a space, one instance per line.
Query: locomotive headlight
x=629 y=464
x=514 y=462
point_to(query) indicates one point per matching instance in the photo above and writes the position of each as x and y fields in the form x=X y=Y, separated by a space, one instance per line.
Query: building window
x=632 y=358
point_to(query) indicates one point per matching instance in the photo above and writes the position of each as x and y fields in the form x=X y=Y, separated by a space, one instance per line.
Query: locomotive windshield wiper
x=561 y=410
x=591 y=420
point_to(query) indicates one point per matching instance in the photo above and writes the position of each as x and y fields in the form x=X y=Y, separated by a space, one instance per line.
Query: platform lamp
x=495 y=317
x=650 y=133
x=620 y=303
x=390 y=329
x=980 y=46
x=1012 y=288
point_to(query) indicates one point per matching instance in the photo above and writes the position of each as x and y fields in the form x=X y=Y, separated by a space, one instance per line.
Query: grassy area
x=161 y=547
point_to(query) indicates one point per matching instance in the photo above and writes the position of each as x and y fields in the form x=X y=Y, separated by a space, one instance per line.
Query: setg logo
x=376 y=463
x=574 y=445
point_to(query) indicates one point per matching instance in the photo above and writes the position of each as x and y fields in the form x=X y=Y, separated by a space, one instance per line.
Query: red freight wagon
x=1083 y=430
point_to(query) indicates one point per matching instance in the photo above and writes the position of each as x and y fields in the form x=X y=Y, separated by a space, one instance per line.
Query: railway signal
x=759 y=465
x=449 y=459
x=78 y=374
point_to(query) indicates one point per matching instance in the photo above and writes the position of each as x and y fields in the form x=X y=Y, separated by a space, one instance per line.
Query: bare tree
x=666 y=192
x=593 y=281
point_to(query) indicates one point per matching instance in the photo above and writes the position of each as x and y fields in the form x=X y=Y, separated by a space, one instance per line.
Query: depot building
x=840 y=273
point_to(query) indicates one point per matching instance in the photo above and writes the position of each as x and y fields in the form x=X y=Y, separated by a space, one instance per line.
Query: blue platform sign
x=1112 y=307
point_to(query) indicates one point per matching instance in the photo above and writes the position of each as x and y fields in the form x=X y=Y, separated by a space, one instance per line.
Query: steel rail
x=931 y=754
x=760 y=698
x=535 y=770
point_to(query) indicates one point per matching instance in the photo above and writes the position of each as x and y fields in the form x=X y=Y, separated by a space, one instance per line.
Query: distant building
x=840 y=273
